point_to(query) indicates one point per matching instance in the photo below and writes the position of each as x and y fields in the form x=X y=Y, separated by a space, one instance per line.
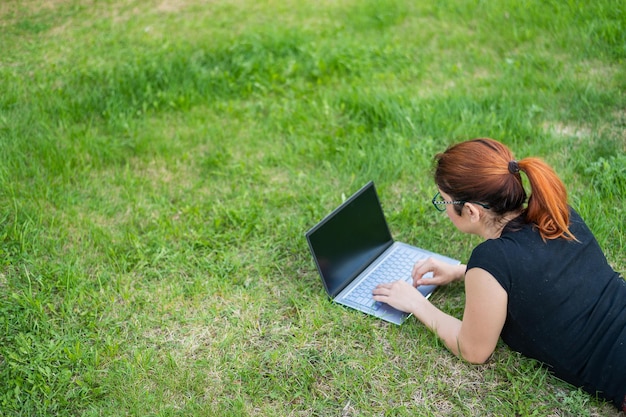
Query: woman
x=539 y=280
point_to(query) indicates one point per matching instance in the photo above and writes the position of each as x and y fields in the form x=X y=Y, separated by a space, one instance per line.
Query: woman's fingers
x=399 y=294
x=420 y=269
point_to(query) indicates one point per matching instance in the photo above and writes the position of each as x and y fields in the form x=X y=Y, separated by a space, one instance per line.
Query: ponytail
x=547 y=205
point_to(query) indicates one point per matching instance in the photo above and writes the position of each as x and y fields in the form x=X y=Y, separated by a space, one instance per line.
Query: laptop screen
x=349 y=239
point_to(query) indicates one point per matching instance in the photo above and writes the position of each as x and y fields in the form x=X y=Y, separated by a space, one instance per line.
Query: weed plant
x=160 y=162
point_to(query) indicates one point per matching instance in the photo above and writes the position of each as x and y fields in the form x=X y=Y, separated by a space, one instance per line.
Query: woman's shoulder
x=497 y=250
x=496 y=256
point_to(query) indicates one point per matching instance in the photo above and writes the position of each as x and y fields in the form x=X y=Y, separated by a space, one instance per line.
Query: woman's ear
x=474 y=212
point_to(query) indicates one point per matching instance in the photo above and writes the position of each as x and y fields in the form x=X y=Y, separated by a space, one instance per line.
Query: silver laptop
x=354 y=252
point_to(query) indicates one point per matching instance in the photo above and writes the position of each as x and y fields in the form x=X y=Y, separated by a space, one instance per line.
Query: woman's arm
x=475 y=337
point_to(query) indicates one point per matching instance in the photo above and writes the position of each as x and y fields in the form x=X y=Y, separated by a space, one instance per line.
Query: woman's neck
x=494 y=227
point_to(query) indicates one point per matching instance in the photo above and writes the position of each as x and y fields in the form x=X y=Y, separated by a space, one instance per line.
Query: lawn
x=160 y=162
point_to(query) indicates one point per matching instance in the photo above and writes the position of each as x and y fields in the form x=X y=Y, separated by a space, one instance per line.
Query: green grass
x=161 y=160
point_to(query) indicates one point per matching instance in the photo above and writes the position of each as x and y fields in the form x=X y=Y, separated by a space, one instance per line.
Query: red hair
x=478 y=170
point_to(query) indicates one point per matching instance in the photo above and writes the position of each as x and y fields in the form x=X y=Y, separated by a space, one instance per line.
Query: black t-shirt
x=566 y=305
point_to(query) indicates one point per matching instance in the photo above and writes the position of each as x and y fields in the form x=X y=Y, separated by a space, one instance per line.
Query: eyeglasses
x=440 y=203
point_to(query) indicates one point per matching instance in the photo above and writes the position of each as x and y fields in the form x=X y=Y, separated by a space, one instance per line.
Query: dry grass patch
x=566 y=131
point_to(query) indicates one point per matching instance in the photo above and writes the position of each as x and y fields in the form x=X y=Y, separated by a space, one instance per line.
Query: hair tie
x=513 y=167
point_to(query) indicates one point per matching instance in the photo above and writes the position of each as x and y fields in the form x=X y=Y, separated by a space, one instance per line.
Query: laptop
x=354 y=251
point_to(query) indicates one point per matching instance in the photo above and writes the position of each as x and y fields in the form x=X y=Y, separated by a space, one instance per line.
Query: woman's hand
x=432 y=271
x=400 y=295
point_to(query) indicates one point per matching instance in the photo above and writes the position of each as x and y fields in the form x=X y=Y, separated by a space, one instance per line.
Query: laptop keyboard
x=398 y=265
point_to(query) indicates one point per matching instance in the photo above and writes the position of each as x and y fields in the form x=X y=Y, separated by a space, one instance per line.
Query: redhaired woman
x=539 y=280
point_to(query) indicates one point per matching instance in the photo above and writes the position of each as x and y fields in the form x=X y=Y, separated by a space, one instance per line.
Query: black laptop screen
x=349 y=239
